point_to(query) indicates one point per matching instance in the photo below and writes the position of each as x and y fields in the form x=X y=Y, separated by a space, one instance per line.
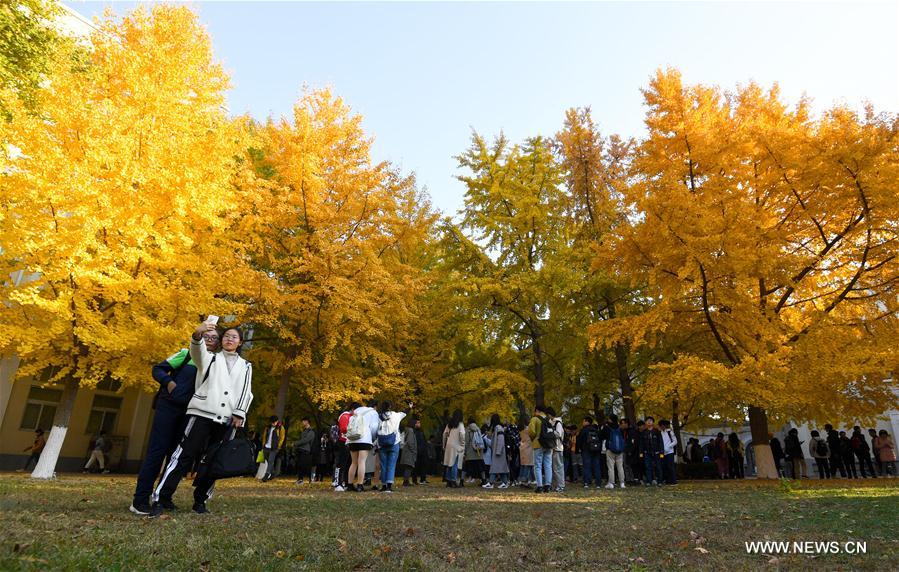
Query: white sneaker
x=503 y=486
x=610 y=486
x=339 y=489
x=486 y=486
x=622 y=486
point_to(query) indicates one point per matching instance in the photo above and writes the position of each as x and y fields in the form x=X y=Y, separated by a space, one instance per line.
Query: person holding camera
x=222 y=397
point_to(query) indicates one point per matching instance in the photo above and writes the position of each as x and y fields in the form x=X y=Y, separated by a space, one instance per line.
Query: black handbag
x=234 y=457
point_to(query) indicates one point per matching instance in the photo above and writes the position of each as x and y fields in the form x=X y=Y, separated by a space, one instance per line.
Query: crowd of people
x=205 y=393
x=543 y=452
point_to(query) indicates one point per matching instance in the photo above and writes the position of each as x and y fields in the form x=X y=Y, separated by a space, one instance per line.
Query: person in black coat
x=777 y=452
x=836 y=459
x=862 y=451
x=652 y=451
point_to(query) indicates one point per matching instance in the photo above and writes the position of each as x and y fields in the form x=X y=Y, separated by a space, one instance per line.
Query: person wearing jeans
x=650 y=445
x=389 y=443
x=543 y=452
x=589 y=445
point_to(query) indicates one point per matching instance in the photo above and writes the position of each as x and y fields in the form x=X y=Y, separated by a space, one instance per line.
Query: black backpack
x=231 y=458
x=821 y=447
x=593 y=440
x=548 y=437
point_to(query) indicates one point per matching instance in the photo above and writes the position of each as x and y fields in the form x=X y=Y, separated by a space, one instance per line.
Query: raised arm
x=198 y=351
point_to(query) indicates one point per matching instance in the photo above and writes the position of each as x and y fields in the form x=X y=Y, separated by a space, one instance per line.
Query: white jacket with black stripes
x=219 y=394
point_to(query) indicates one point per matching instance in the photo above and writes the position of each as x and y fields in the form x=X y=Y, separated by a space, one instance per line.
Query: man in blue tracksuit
x=177 y=377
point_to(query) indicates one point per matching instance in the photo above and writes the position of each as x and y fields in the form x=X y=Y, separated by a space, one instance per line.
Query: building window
x=104 y=412
x=40 y=408
x=109 y=384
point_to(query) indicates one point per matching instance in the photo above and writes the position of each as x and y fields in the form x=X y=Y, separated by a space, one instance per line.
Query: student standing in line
x=389 y=443
x=819 y=451
x=589 y=444
x=794 y=453
x=499 y=464
x=453 y=448
x=543 y=438
x=613 y=440
x=669 y=446
x=222 y=397
x=651 y=451
x=526 y=476
x=862 y=452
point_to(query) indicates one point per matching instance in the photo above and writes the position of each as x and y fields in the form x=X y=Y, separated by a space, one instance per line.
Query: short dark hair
x=640 y=423
x=664 y=422
x=550 y=411
x=306 y=419
x=815 y=433
x=613 y=418
x=273 y=418
x=588 y=419
x=650 y=418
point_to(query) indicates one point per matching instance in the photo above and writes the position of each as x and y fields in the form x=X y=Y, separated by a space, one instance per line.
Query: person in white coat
x=361 y=444
x=221 y=399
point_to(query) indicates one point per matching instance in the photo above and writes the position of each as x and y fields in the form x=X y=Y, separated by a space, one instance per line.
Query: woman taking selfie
x=221 y=399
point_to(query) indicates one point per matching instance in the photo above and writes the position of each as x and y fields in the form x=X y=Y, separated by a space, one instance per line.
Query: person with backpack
x=613 y=440
x=361 y=433
x=651 y=451
x=101 y=445
x=820 y=452
x=499 y=464
x=305 y=451
x=669 y=446
x=589 y=445
x=474 y=450
x=543 y=438
x=862 y=452
x=453 y=448
x=341 y=449
x=221 y=400
x=558 y=466
x=848 y=456
x=389 y=442
x=794 y=453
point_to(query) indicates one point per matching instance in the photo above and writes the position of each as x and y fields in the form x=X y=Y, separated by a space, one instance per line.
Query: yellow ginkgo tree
x=116 y=206
x=769 y=237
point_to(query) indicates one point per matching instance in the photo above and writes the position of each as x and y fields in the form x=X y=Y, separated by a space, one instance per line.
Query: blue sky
x=425 y=74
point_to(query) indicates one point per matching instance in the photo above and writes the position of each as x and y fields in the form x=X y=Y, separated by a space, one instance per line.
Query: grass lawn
x=82 y=522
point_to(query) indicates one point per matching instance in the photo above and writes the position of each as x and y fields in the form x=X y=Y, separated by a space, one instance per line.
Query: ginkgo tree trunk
x=117 y=209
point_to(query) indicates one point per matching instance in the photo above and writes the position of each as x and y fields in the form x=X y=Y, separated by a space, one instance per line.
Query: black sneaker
x=167 y=505
x=200 y=508
x=141 y=509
